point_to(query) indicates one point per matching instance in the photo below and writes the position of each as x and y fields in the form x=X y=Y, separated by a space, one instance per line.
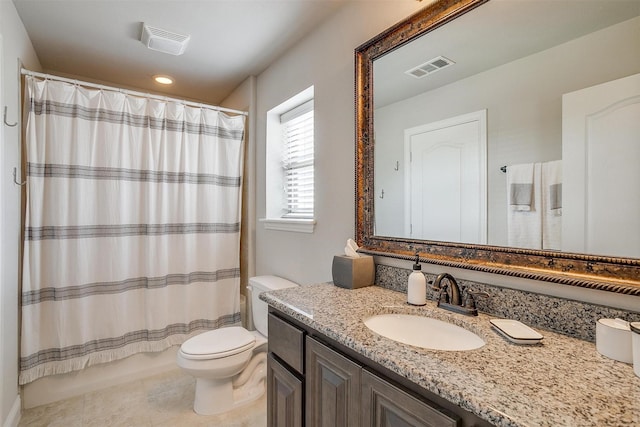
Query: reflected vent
x=430 y=67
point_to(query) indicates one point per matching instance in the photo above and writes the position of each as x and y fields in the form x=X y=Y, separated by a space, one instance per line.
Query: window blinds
x=297 y=128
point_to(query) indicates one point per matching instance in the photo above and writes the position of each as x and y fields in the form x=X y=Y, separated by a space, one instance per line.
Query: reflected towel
x=520 y=186
x=552 y=205
x=524 y=218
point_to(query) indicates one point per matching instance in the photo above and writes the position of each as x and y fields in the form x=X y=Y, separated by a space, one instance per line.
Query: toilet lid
x=219 y=342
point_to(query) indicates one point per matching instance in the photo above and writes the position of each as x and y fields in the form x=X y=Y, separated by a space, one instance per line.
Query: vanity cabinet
x=342 y=393
x=332 y=387
x=311 y=384
x=284 y=391
x=285 y=369
x=384 y=404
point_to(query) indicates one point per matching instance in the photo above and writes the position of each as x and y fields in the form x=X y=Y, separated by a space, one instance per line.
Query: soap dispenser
x=417 y=286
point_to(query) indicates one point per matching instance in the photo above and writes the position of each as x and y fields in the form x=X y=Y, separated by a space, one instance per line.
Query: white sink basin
x=424 y=332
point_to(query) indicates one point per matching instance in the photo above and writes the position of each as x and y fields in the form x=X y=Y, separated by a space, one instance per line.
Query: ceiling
x=230 y=40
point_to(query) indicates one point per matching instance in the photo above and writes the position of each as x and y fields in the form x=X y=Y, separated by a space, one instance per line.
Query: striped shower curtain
x=132 y=229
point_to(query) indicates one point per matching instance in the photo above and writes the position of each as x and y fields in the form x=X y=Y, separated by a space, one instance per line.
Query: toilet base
x=216 y=396
x=214 y=399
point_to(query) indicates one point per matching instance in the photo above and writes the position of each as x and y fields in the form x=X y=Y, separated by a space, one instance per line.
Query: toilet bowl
x=230 y=364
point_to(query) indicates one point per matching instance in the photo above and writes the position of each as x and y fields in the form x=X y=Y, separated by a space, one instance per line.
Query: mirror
x=489 y=74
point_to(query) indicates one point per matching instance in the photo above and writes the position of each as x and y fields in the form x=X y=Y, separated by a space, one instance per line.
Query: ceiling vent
x=430 y=67
x=163 y=40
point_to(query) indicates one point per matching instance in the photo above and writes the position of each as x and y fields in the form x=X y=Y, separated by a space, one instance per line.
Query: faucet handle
x=442 y=295
x=470 y=300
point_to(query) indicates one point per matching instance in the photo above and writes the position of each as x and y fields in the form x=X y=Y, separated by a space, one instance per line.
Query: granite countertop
x=561 y=381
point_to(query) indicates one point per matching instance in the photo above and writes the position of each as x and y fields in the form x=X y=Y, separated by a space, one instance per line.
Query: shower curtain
x=132 y=229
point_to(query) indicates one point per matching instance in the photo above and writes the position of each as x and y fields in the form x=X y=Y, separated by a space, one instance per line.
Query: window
x=289 y=165
x=297 y=138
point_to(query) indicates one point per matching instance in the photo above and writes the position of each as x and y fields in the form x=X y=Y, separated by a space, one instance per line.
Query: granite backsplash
x=573 y=318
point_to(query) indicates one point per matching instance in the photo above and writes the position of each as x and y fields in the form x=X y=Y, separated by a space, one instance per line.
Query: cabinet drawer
x=287 y=342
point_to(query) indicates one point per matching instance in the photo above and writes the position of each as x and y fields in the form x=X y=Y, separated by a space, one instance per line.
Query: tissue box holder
x=353 y=273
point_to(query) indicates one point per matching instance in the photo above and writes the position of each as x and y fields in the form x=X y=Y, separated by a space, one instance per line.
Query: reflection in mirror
x=549 y=89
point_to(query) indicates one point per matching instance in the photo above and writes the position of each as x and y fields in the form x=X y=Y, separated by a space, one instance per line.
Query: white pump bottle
x=417 y=286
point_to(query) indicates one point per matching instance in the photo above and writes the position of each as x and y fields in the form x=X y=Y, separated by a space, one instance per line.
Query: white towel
x=552 y=205
x=520 y=186
x=524 y=221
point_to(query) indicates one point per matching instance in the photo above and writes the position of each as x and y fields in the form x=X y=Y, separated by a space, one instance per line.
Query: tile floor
x=164 y=401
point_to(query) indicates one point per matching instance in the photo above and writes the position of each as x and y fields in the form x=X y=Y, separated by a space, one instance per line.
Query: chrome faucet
x=449 y=296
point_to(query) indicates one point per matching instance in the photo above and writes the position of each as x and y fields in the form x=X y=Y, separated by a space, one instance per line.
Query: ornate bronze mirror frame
x=620 y=275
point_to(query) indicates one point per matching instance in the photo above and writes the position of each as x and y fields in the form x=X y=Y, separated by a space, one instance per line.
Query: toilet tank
x=259 y=308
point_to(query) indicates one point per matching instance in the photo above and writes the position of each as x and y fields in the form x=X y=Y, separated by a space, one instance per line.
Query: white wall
x=324 y=59
x=15 y=46
x=524 y=121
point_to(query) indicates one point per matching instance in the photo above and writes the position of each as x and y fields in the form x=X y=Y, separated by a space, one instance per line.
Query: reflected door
x=601 y=172
x=446 y=180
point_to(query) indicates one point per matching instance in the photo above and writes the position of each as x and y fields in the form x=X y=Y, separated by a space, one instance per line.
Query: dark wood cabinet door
x=332 y=388
x=385 y=405
x=284 y=396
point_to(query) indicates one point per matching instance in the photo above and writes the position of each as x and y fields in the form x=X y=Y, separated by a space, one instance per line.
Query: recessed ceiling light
x=163 y=80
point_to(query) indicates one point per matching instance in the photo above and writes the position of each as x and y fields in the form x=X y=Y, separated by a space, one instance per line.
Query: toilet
x=230 y=364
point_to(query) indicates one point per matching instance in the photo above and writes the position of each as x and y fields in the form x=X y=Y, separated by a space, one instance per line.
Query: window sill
x=289 y=224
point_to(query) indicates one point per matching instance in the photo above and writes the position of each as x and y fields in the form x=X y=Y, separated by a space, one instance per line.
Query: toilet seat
x=219 y=343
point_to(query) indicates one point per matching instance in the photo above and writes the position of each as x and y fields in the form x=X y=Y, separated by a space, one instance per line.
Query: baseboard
x=14 y=415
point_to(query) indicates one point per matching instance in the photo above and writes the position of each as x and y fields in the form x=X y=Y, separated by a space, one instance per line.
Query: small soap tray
x=516 y=331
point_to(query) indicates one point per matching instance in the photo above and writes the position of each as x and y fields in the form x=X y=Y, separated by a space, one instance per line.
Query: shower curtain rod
x=130 y=92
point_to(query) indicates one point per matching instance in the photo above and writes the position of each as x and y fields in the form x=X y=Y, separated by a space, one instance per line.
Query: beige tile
x=164 y=400
x=251 y=415
x=64 y=413
x=165 y=378
x=116 y=420
x=75 y=421
x=123 y=405
x=171 y=398
x=187 y=419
